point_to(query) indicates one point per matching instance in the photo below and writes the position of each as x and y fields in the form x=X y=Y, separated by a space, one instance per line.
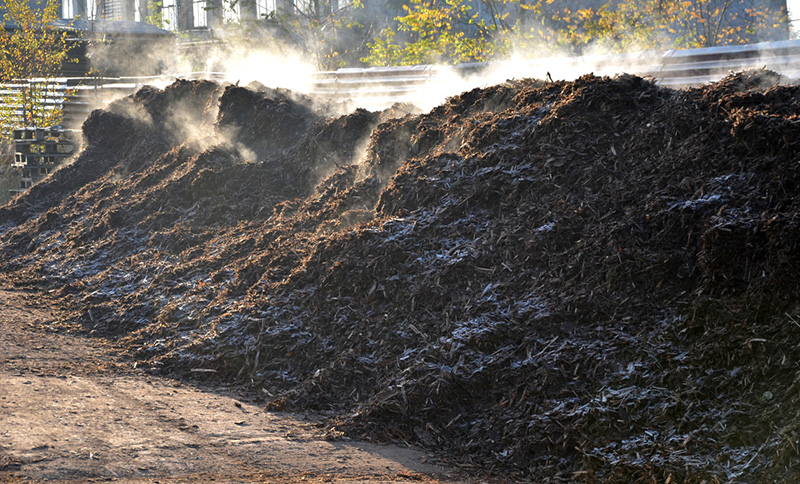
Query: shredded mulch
x=588 y=281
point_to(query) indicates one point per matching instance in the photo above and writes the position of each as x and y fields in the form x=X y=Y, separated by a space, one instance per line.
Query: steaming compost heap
x=588 y=281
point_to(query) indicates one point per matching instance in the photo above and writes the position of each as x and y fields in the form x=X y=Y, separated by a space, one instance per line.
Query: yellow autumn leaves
x=455 y=31
x=31 y=55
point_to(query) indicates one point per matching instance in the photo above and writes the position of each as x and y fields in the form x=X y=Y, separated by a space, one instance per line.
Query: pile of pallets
x=39 y=152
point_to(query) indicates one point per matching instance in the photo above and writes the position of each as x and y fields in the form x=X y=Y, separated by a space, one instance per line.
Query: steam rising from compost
x=268 y=60
x=294 y=73
x=450 y=81
x=285 y=68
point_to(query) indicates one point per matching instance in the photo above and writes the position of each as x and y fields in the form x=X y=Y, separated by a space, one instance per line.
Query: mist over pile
x=584 y=281
x=267 y=59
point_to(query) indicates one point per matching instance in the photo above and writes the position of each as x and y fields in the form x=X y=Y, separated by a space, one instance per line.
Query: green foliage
x=156 y=14
x=438 y=31
x=651 y=24
x=35 y=52
x=434 y=31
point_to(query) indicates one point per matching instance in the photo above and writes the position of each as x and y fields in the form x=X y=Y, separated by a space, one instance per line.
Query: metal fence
x=75 y=101
x=673 y=68
x=382 y=86
x=51 y=95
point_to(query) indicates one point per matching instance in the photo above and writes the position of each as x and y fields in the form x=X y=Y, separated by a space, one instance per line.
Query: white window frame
x=90 y=10
x=265 y=7
x=304 y=6
x=232 y=11
x=199 y=13
x=169 y=14
x=68 y=9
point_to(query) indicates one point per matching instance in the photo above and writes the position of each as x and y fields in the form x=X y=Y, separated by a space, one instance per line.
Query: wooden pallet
x=38 y=152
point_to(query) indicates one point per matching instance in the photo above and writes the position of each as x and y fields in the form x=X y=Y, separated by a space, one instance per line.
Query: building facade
x=190 y=15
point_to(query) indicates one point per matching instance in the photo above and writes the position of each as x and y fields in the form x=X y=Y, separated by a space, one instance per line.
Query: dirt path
x=69 y=412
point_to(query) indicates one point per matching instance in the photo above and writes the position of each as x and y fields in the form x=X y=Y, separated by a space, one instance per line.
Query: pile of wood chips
x=588 y=281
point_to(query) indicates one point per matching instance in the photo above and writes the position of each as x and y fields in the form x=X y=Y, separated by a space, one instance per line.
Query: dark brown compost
x=588 y=281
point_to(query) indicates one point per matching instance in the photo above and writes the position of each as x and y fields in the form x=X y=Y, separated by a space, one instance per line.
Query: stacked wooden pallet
x=39 y=152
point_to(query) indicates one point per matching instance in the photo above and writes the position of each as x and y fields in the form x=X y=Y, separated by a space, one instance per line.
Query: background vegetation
x=340 y=33
x=454 y=31
x=33 y=53
x=31 y=56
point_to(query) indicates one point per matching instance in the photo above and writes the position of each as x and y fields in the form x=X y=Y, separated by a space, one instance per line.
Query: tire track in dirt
x=71 y=412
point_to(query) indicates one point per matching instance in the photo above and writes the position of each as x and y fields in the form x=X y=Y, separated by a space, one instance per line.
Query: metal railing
x=673 y=68
x=382 y=86
x=50 y=94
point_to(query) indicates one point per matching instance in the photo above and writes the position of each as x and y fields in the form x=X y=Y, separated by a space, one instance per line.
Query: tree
x=329 y=33
x=155 y=14
x=333 y=32
x=450 y=31
x=438 y=31
x=653 y=24
x=31 y=55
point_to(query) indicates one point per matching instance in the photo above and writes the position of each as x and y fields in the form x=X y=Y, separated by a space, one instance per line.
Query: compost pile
x=588 y=281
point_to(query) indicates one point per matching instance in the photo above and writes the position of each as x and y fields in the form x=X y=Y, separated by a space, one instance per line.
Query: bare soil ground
x=72 y=411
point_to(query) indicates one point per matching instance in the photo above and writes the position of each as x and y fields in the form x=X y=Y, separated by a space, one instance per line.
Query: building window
x=111 y=10
x=304 y=6
x=231 y=11
x=87 y=9
x=199 y=13
x=169 y=14
x=264 y=8
x=137 y=13
x=67 y=9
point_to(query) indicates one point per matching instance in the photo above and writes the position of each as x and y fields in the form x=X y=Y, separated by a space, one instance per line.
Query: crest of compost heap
x=588 y=281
